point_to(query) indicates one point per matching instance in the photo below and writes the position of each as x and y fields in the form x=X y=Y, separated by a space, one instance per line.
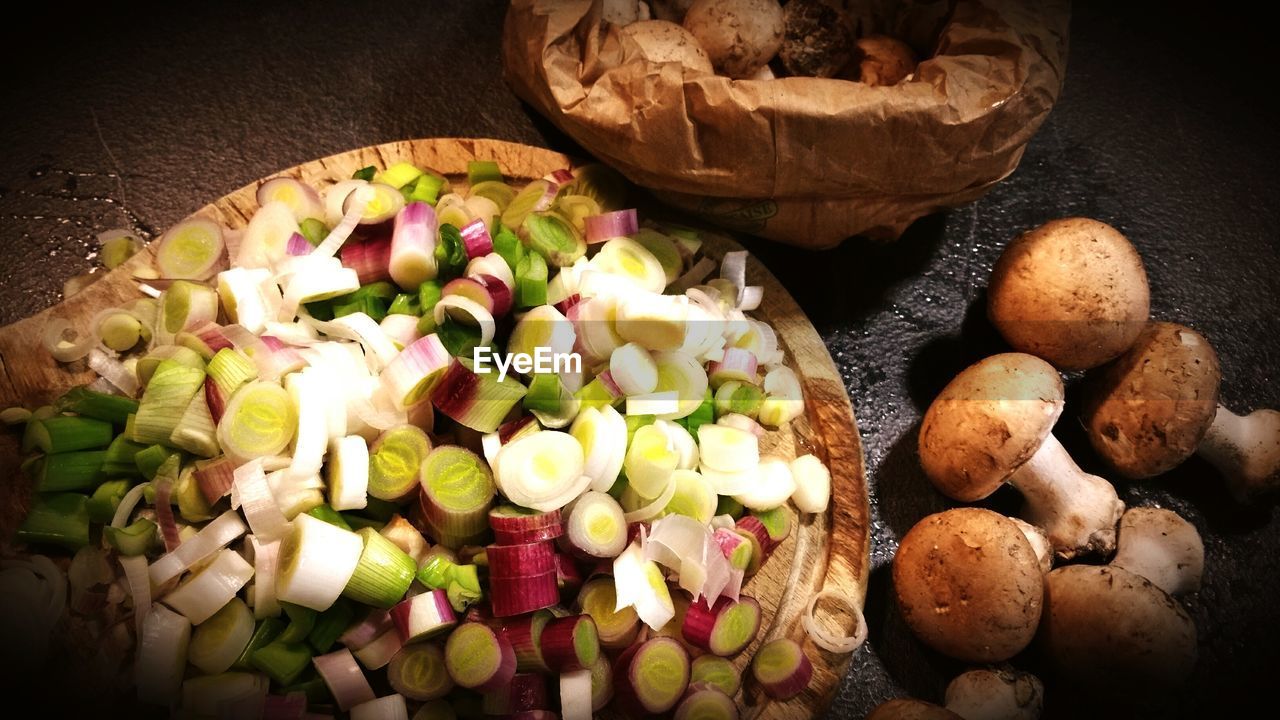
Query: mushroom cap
x=1113 y=632
x=883 y=60
x=1161 y=546
x=909 y=709
x=1072 y=291
x=1000 y=693
x=1148 y=410
x=987 y=422
x=740 y=36
x=660 y=41
x=969 y=585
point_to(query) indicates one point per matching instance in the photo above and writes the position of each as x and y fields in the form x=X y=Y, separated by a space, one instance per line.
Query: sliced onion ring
x=828 y=641
x=469 y=307
x=62 y=349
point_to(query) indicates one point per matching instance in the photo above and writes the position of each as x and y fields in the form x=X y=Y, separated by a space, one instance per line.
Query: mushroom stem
x=1246 y=450
x=1162 y=547
x=996 y=695
x=1039 y=543
x=1078 y=511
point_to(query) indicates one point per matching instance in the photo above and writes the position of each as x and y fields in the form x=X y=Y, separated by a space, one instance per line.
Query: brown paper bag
x=807 y=161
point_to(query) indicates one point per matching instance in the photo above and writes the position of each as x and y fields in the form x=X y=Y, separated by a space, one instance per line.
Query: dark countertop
x=134 y=116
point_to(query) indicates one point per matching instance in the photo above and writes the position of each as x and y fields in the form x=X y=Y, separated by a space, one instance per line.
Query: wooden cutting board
x=823 y=552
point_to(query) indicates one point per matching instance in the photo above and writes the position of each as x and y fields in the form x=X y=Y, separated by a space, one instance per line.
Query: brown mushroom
x=993 y=424
x=1162 y=547
x=1071 y=291
x=740 y=36
x=660 y=41
x=880 y=60
x=1000 y=694
x=816 y=40
x=908 y=709
x=1152 y=407
x=1115 y=633
x=1246 y=450
x=968 y=584
x=672 y=10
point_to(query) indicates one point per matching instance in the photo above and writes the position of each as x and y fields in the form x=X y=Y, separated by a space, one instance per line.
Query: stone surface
x=138 y=117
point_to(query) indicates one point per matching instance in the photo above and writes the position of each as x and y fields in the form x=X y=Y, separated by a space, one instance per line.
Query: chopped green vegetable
x=301 y=621
x=81 y=470
x=531 y=281
x=65 y=434
x=705 y=414
x=282 y=661
x=451 y=254
x=266 y=631
x=429 y=293
x=479 y=171
x=120 y=458
x=165 y=400
x=459 y=340
x=134 y=539
x=400 y=175
x=330 y=624
x=314 y=230
x=405 y=304
x=365 y=173
x=150 y=459
x=101 y=406
x=329 y=515
x=425 y=189
x=104 y=501
x=554 y=238
x=508 y=246
x=57 y=519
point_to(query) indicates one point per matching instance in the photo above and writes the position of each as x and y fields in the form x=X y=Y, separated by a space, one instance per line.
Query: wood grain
x=828 y=551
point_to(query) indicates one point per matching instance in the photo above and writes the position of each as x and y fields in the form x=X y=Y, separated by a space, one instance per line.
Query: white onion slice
x=348 y=470
x=266 y=561
x=113 y=371
x=830 y=641
x=772 y=487
x=207 y=591
x=311 y=440
x=543 y=470
x=655 y=506
x=639 y=583
x=258 y=502
x=359 y=197
x=162 y=655
x=218 y=534
x=343 y=677
x=371 y=337
x=135 y=574
x=683 y=443
x=604 y=443
x=813 y=484
x=662 y=403
x=492 y=264
x=316 y=562
x=728 y=449
x=127 y=504
x=64 y=350
x=575 y=695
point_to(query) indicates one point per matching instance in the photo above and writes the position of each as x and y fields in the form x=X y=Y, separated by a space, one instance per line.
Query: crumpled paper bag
x=808 y=161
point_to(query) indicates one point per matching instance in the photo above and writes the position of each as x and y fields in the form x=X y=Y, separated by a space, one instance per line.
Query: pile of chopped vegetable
x=307 y=479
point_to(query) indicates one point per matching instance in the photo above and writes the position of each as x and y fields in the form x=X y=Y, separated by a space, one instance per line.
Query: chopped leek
x=65 y=434
x=57 y=519
x=82 y=401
